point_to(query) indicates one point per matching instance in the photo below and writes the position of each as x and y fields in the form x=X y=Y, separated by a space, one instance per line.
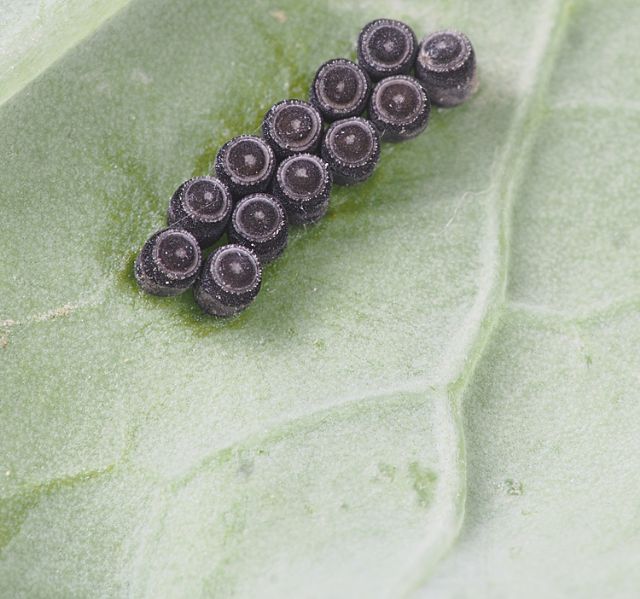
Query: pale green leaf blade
x=552 y=413
x=313 y=447
x=35 y=33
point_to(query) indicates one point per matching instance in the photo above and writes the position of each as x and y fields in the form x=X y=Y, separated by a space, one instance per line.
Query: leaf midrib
x=516 y=156
x=54 y=51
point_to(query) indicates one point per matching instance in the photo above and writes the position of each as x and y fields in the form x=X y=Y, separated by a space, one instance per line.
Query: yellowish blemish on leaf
x=56 y=313
x=279 y=15
x=387 y=471
x=513 y=487
x=424 y=482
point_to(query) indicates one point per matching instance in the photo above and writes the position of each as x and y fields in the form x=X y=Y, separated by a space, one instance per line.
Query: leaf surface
x=467 y=317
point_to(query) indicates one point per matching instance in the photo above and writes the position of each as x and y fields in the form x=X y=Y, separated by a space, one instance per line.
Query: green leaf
x=436 y=392
x=35 y=34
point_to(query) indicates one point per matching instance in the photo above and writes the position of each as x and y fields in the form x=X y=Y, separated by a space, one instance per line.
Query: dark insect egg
x=245 y=164
x=351 y=147
x=399 y=108
x=201 y=206
x=168 y=263
x=340 y=89
x=230 y=281
x=387 y=47
x=260 y=223
x=292 y=127
x=446 y=67
x=303 y=184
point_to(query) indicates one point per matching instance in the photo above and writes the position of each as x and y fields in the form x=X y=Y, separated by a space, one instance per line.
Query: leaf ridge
x=493 y=300
x=37 y=59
